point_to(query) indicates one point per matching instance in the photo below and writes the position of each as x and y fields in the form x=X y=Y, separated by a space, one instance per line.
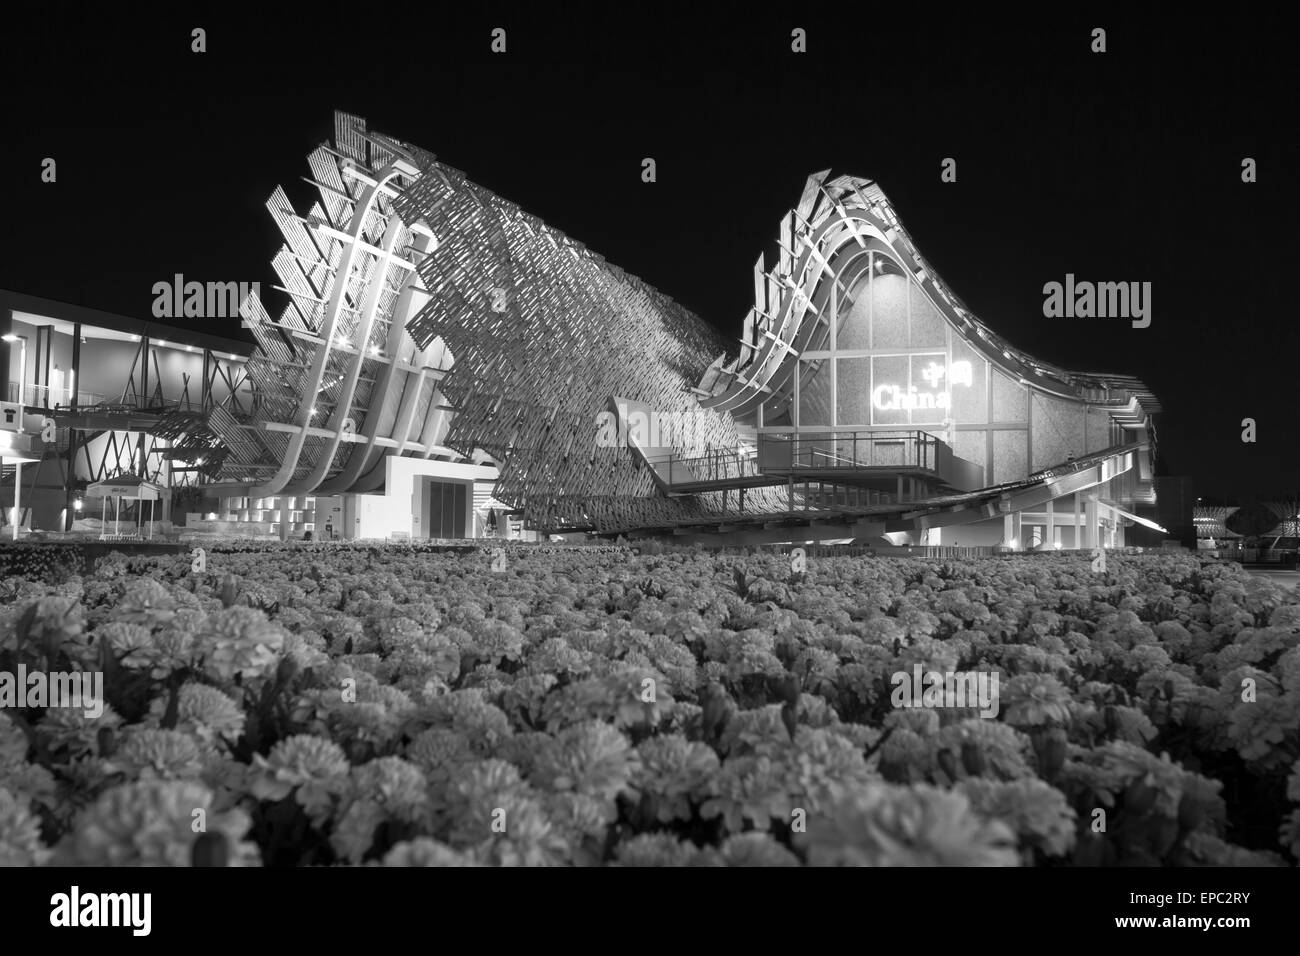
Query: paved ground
x=1284 y=577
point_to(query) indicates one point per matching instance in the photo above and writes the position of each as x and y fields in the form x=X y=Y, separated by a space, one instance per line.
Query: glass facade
x=889 y=365
x=895 y=364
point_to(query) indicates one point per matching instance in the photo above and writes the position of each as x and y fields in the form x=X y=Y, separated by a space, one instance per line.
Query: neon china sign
x=890 y=398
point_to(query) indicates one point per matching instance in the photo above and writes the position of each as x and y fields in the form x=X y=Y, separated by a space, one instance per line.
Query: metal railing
x=852 y=450
x=51 y=396
x=724 y=465
x=857 y=451
x=84 y=400
x=817 y=455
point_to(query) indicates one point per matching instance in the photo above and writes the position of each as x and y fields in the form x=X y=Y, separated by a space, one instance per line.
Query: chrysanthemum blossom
x=907 y=826
x=151 y=823
x=20 y=833
x=1035 y=700
x=315 y=770
x=152 y=753
x=240 y=640
x=1035 y=810
x=425 y=851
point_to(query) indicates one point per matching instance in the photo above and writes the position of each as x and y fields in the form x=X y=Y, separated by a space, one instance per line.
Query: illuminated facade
x=438 y=337
x=441 y=353
x=872 y=388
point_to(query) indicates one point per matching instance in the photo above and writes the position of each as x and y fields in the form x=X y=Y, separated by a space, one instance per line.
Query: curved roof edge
x=849 y=209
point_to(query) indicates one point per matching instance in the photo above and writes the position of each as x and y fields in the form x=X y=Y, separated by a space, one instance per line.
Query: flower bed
x=565 y=706
x=39 y=562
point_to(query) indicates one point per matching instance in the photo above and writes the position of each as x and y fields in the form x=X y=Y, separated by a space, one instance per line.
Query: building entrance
x=446 y=508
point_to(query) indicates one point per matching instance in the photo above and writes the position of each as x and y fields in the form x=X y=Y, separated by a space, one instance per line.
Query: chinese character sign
x=892 y=398
x=959 y=373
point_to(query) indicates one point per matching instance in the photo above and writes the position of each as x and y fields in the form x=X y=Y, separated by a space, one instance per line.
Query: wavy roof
x=847 y=212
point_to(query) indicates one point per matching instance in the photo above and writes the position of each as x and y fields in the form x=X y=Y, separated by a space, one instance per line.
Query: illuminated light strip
x=1138 y=518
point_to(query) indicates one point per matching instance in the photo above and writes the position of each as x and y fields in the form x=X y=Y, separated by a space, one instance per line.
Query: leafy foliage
x=418 y=707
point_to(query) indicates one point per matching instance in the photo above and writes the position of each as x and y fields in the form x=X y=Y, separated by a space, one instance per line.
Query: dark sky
x=1123 y=166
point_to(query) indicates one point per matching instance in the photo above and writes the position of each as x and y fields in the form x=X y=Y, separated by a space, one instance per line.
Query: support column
x=6 y=351
x=204 y=393
x=1092 y=524
x=144 y=372
x=1078 y=523
x=18 y=486
x=37 y=365
x=1049 y=539
x=70 y=474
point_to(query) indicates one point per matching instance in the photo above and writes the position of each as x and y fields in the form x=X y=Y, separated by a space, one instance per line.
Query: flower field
x=325 y=705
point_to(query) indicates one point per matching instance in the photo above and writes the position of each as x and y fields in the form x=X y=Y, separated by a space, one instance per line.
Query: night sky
x=1123 y=166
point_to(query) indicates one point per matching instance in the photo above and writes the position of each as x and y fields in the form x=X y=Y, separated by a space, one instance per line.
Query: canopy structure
x=430 y=318
x=131 y=487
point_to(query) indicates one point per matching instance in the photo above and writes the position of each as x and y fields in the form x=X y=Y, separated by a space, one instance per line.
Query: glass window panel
x=1010 y=402
x=855 y=318
x=889 y=385
x=889 y=311
x=853 y=382
x=972 y=446
x=776 y=412
x=929 y=378
x=969 y=402
x=814 y=393
x=929 y=330
x=1010 y=458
